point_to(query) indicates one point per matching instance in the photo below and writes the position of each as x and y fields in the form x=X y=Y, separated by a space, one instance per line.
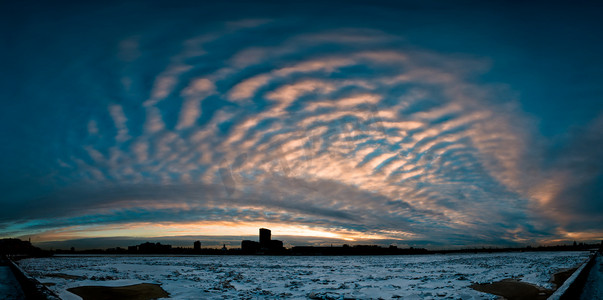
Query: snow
x=9 y=286
x=593 y=288
x=301 y=277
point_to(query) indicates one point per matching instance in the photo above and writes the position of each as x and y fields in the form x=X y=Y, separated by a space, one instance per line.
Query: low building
x=250 y=247
x=276 y=245
x=153 y=248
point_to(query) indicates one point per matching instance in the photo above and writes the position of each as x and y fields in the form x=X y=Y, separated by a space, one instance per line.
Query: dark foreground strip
x=573 y=286
x=32 y=288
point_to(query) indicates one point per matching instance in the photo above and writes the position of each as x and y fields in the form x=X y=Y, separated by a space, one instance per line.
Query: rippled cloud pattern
x=193 y=119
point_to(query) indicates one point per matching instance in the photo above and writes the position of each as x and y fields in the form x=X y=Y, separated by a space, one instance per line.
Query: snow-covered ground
x=301 y=277
x=593 y=288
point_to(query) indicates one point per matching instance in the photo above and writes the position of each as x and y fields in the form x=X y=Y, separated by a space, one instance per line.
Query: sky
x=413 y=123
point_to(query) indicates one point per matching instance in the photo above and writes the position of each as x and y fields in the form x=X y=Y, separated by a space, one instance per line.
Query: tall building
x=197 y=246
x=264 y=238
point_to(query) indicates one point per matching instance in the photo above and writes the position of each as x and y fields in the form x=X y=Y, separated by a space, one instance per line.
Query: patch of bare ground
x=560 y=277
x=143 y=291
x=512 y=289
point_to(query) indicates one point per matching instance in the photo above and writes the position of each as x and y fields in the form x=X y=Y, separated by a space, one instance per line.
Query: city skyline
x=428 y=124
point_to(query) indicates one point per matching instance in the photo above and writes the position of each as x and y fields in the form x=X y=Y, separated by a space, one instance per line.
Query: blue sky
x=414 y=123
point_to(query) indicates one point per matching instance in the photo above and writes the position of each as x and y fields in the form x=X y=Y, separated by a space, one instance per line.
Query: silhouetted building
x=250 y=247
x=276 y=245
x=153 y=248
x=264 y=238
x=265 y=246
x=116 y=250
x=197 y=246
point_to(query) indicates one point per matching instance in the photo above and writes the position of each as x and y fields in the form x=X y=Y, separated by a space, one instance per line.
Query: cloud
x=154 y=122
x=347 y=130
x=120 y=120
x=247 y=88
x=92 y=127
x=165 y=83
x=571 y=185
x=129 y=49
x=194 y=94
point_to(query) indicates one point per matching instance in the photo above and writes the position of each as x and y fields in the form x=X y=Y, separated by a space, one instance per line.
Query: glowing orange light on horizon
x=219 y=228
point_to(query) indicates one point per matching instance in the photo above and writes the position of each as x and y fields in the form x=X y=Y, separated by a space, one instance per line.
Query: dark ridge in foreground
x=25 y=287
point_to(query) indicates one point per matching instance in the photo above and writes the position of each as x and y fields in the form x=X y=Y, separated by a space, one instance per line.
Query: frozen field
x=301 y=277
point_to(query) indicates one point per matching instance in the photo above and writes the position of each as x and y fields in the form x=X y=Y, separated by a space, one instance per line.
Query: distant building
x=276 y=245
x=197 y=246
x=266 y=245
x=250 y=247
x=264 y=238
x=153 y=248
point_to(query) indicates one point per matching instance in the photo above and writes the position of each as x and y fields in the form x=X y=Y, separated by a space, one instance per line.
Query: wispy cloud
x=191 y=108
x=120 y=120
